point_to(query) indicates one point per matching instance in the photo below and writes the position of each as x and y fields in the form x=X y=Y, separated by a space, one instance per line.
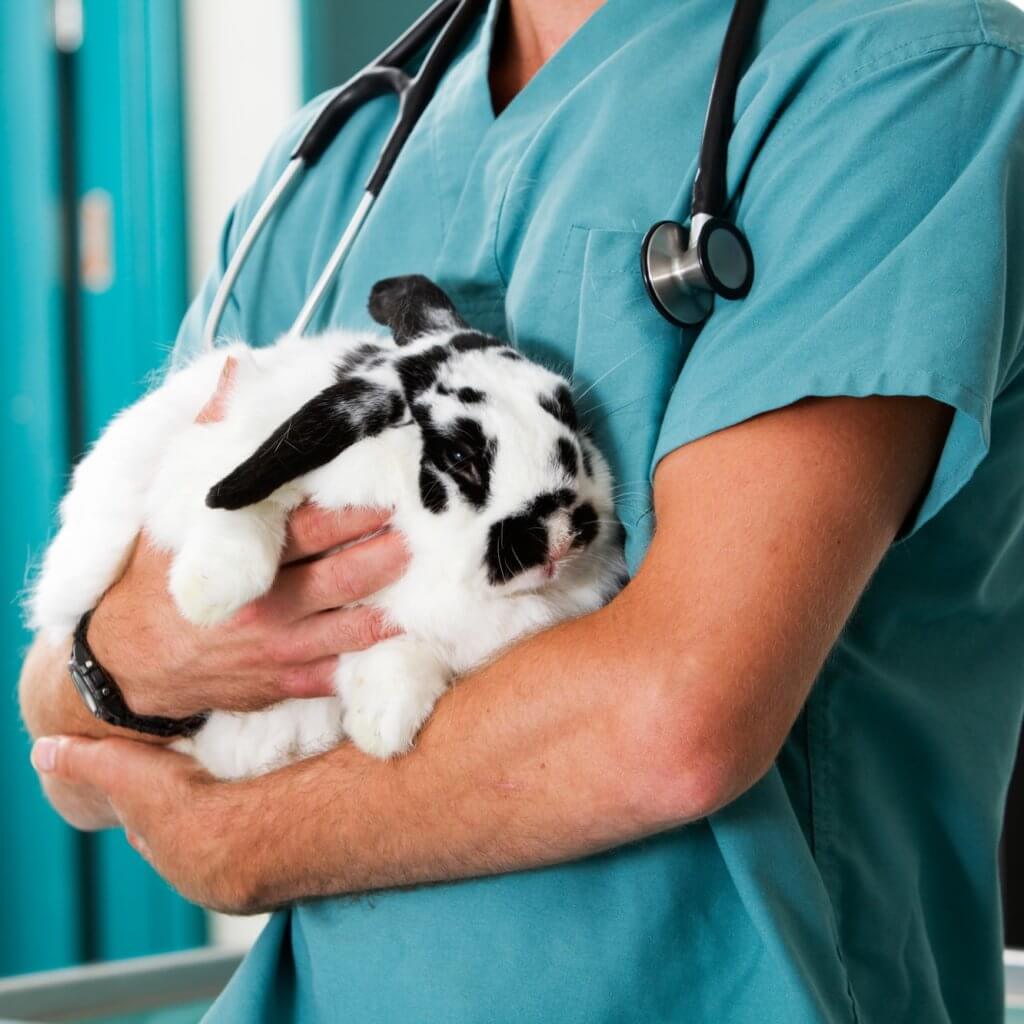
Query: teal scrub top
x=877 y=167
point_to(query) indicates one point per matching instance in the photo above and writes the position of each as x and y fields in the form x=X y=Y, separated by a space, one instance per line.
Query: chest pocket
x=625 y=364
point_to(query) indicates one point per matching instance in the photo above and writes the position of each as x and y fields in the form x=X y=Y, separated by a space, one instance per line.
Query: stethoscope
x=682 y=270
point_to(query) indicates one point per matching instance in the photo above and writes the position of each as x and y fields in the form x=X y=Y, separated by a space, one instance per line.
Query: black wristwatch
x=104 y=699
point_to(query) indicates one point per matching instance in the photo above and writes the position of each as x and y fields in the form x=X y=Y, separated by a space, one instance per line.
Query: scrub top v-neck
x=856 y=882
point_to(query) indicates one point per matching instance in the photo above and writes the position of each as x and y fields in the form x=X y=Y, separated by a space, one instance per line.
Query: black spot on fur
x=472 y=341
x=468 y=396
x=373 y=407
x=324 y=427
x=588 y=463
x=560 y=406
x=462 y=452
x=510 y=354
x=515 y=545
x=521 y=542
x=565 y=455
x=545 y=505
x=411 y=306
x=433 y=492
x=585 y=525
x=365 y=355
x=396 y=410
x=418 y=372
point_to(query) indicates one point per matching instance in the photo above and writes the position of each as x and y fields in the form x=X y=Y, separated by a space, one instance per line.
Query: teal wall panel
x=40 y=915
x=75 y=349
x=339 y=37
x=128 y=113
x=130 y=176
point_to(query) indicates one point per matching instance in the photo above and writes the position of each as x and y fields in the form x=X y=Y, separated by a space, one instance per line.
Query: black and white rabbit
x=505 y=505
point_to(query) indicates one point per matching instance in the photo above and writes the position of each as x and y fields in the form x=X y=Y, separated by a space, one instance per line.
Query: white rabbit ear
x=335 y=419
x=412 y=306
x=216 y=405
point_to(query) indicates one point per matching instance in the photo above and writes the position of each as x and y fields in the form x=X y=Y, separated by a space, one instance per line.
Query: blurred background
x=127 y=129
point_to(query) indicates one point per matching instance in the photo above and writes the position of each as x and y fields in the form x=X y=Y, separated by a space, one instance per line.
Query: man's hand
x=173 y=813
x=283 y=645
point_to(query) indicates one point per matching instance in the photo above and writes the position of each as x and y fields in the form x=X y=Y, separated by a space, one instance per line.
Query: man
x=728 y=796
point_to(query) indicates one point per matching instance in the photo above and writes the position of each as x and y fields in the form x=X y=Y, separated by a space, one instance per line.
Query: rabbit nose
x=559 y=539
x=558 y=551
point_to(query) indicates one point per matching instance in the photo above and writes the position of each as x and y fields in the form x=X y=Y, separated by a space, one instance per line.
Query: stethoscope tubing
x=222 y=296
x=333 y=265
x=709 y=185
x=379 y=78
x=674 y=275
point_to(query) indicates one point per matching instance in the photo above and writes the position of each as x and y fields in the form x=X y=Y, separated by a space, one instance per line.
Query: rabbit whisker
x=622 y=362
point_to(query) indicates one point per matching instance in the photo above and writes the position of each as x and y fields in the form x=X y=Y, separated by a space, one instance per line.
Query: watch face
x=83 y=688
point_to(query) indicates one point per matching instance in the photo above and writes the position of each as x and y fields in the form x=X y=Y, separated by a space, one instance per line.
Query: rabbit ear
x=324 y=427
x=411 y=306
x=214 y=409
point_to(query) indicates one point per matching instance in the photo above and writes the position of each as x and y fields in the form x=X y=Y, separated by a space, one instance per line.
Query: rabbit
x=504 y=503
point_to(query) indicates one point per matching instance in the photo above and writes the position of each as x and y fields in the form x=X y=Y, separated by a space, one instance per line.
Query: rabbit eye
x=465 y=454
x=462 y=462
x=457 y=455
x=470 y=473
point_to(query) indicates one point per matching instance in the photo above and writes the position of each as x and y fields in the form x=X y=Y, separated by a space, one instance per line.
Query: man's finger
x=315 y=679
x=334 y=632
x=342 y=578
x=313 y=530
x=114 y=766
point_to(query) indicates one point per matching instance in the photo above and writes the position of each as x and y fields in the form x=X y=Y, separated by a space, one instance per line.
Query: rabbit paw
x=388 y=693
x=216 y=575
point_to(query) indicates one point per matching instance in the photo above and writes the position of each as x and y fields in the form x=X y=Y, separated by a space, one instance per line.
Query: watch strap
x=103 y=697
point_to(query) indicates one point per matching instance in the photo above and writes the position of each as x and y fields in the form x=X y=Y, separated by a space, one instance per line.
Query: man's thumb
x=101 y=763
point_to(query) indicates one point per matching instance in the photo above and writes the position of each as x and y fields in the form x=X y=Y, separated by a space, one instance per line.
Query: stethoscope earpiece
x=682 y=280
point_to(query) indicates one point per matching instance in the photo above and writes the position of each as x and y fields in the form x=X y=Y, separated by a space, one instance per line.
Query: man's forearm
x=549 y=754
x=49 y=703
x=656 y=710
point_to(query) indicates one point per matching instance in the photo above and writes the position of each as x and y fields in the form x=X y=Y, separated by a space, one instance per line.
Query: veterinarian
x=765 y=783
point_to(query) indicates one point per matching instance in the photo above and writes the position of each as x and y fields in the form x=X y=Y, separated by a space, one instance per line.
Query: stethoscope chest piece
x=683 y=270
x=682 y=280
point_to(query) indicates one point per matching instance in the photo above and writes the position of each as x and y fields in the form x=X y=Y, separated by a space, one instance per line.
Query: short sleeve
x=887 y=225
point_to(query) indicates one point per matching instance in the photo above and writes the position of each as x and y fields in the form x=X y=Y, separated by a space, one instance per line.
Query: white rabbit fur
x=457 y=604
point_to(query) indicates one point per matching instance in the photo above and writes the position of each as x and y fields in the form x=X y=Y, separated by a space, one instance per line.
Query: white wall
x=242 y=80
x=242 y=63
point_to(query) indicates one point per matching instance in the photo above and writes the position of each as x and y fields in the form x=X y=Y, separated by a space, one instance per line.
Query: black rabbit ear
x=324 y=427
x=411 y=306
